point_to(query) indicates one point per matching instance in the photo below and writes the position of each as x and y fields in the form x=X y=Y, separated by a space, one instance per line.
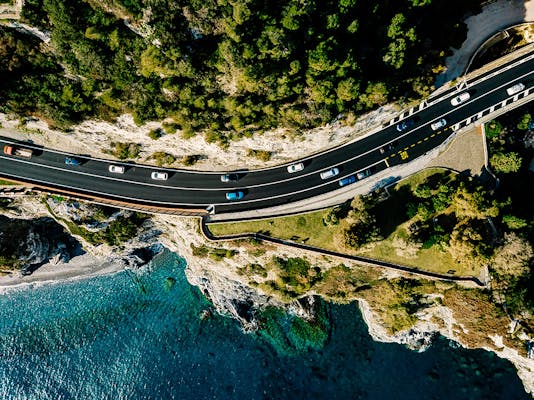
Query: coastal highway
x=274 y=186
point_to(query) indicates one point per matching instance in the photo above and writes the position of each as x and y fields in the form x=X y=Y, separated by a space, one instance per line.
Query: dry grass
x=309 y=228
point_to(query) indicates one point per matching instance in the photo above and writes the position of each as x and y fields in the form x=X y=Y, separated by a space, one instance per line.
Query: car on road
x=72 y=161
x=364 y=174
x=460 y=98
x=237 y=195
x=330 y=173
x=403 y=125
x=159 y=176
x=347 y=181
x=229 y=178
x=515 y=89
x=440 y=123
x=295 y=167
x=389 y=147
x=116 y=169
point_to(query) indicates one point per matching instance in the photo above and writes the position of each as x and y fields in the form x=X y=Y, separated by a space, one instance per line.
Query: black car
x=229 y=178
x=389 y=147
x=407 y=123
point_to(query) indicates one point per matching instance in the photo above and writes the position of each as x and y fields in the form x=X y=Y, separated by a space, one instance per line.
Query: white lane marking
x=265 y=184
x=270 y=183
x=135 y=199
x=460 y=106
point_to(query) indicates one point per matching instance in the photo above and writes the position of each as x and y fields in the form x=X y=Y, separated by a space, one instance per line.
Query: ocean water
x=140 y=335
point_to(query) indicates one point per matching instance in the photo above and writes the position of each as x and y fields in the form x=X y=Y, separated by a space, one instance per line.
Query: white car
x=159 y=176
x=515 y=89
x=329 y=173
x=440 y=123
x=460 y=98
x=295 y=167
x=116 y=169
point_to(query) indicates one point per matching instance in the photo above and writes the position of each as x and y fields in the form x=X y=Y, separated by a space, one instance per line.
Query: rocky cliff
x=236 y=276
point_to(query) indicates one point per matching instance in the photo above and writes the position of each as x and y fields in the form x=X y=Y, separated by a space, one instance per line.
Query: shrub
x=191 y=159
x=162 y=158
x=262 y=155
x=493 y=129
x=155 y=134
x=124 y=150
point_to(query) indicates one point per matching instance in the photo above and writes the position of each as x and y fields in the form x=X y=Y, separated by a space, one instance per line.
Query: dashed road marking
x=412 y=145
x=419 y=142
x=425 y=139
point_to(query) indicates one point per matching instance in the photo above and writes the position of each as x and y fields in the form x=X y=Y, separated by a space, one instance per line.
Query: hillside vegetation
x=226 y=68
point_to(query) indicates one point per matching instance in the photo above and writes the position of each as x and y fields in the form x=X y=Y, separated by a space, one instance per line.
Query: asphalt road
x=275 y=186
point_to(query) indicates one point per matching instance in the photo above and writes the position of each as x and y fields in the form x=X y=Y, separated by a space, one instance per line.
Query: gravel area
x=464 y=153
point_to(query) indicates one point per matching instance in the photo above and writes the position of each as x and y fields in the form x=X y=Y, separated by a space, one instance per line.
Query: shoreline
x=80 y=267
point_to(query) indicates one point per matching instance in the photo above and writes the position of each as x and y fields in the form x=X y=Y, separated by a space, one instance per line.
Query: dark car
x=347 y=181
x=364 y=174
x=389 y=147
x=229 y=178
x=72 y=161
x=403 y=125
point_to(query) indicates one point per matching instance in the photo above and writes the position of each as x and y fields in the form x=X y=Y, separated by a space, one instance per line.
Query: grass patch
x=308 y=228
x=391 y=216
x=8 y=183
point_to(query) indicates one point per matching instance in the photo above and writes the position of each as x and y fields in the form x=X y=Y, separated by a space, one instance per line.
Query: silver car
x=116 y=169
x=440 y=123
x=329 y=173
x=295 y=167
x=515 y=89
x=460 y=98
x=159 y=176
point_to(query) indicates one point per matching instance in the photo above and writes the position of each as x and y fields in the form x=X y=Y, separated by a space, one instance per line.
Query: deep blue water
x=140 y=336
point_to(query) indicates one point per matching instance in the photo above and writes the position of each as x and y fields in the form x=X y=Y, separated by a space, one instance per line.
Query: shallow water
x=140 y=336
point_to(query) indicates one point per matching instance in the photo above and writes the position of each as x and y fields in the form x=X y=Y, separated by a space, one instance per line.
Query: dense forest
x=227 y=68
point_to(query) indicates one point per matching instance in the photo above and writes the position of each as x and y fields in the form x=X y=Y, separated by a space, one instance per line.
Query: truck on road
x=18 y=151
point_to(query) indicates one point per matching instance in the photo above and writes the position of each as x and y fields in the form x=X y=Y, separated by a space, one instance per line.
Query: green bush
x=191 y=159
x=155 y=134
x=262 y=155
x=493 y=129
x=124 y=151
x=161 y=158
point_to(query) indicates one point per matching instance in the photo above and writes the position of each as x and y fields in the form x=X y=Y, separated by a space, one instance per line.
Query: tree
x=395 y=53
x=348 y=89
x=526 y=119
x=513 y=258
x=375 y=94
x=395 y=27
x=360 y=225
x=493 y=129
x=472 y=203
x=506 y=162
x=513 y=222
x=467 y=245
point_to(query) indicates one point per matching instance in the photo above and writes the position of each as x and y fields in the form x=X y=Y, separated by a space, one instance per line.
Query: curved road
x=275 y=186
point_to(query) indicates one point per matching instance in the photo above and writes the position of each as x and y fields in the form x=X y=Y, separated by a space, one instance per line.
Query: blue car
x=72 y=161
x=347 y=181
x=402 y=126
x=237 y=195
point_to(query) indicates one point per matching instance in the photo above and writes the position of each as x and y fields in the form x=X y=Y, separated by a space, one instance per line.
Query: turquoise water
x=140 y=336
